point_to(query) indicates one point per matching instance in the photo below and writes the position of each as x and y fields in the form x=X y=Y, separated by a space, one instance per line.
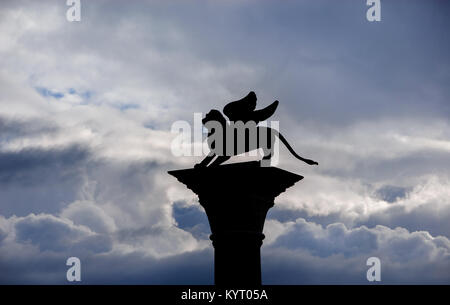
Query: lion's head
x=214 y=115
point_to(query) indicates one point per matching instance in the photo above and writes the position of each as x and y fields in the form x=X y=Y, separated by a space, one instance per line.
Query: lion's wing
x=265 y=113
x=240 y=110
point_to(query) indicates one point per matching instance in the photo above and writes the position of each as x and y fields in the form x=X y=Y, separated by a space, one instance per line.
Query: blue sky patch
x=49 y=93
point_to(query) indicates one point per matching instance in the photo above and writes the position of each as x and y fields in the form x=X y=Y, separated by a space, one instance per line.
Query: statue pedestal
x=236 y=198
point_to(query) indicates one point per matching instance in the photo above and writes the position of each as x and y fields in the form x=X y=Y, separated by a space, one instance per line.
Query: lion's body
x=227 y=139
x=234 y=140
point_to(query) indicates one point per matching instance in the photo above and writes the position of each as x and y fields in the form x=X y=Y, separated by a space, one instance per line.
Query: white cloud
x=396 y=245
x=50 y=233
x=424 y=206
x=336 y=254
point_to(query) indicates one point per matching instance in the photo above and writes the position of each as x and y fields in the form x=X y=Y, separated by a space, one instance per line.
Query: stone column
x=236 y=198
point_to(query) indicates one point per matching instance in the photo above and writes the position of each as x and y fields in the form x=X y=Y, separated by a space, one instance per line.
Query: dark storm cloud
x=304 y=235
x=285 y=215
x=335 y=66
x=336 y=254
x=328 y=255
x=431 y=218
x=50 y=268
x=391 y=193
x=407 y=209
x=322 y=60
x=52 y=234
x=31 y=166
x=281 y=267
x=363 y=70
x=2 y=235
x=40 y=180
x=136 y=234
x=193 y=267
x=192 y=219
x=15 y=128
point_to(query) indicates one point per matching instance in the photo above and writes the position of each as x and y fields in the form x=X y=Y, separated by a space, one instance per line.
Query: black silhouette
x=236 y=197
x=242 y=110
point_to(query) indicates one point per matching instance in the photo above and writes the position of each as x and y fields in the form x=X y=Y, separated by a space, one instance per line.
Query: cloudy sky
x=86 y=110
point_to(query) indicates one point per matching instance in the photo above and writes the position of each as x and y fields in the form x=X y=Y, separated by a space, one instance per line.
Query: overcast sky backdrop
x=85 y=116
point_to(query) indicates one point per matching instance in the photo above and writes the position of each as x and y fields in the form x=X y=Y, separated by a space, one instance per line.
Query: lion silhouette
x=224 y=143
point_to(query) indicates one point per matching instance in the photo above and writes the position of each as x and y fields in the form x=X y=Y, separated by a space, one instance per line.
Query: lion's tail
x=292 y=151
